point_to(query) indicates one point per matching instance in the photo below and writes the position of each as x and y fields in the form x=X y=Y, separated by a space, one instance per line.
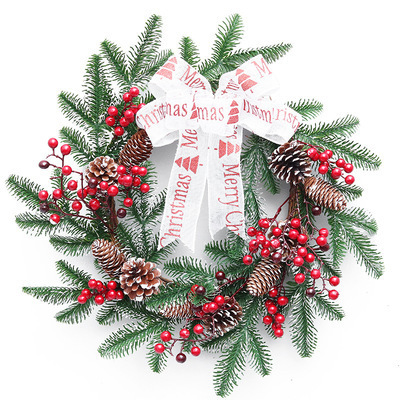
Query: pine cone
x=225 y=319
x=102 y=168
x=137 y=149
x=139 y=279
x=264 y=277
x=324 y=194
x=175 y=310
x=290 y=162
x=109 y=256
x=287 y=244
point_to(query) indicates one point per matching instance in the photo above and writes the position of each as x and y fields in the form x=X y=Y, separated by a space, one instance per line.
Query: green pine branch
x=326 y=308
x=80 y=148
x=53 y=295
x=157 y=362
x=308 y=109
x=109 y=313
x=189 y=51
x=174 y=293
x=71 y=246
x=24 y=190
x=36 y=224
x=75 y=313
x=71 y=275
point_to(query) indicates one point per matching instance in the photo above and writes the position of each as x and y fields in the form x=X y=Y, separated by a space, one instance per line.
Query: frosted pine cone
x=139 y=279
x=137 y=149
x=225 y=319
x=264 y=277
x=290 y=162
x=175 y=310
x=109 y=256
x=102 y=168
x=324 y=194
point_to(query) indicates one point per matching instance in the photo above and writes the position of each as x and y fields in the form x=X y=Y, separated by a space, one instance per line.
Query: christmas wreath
x=281 y=270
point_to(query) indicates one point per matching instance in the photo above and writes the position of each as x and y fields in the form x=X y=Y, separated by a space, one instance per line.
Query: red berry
x=261 y=239
x=276 y=257
x=135 y=169
x=336 y=173
x=53 y=143
x=184 y=333
x=141 y=105
x=277 y=232
x=57 y=194
x=334 y=280
x=329 y=152
x=324 y=232
x=278 y=332
x=136 y=181
x=72 y=185
x=279 y=318
x=220 y=275
x=349 y=179
x=267 y=320
x=265 y=253
x=323 y=169
x=300 y=278
x=111 y=295
x=112 y=111
x=293 y=234
x=91 y=191
x=124 y=122
x=275 y=243
x=302 y=238
x=120 y=294
x=181 y=358
x=194 y=288
x=127 y=97
x=118 y=131
x=110 y=121
x=76 y=205
x=310 y=257
x=253 y=245
x=340 y=163
x=316 y=210
x=198 y=329
x=312 y=152
x=82 y=193
x=166 y=336
x=263 y=223
x=348 y=168
x=323 y=157
x=99 y=299
x=65 y=149
x=195 y=351
x=103 y=185
x=219 y=300
x=272 y=309
x=212 y=307
x=112 y=190
x=66 y=170
x=43 y=195
x=321 y=240
x=252 y=231
x=298 y=261
x=92 y=283
x=282 y=300
x=273 y=292
x=127 y=181
x=315 y=273
x=142 y=171
x=86 y=292
x=121 y=169
x=144 y=187
x=99 y=286
x=82 y=299
x=128 y=202
x=112 y=285
x=268 y=303
x=134 y=91
x=206 y=307
x=302 y=251
x=159 y=348
x=94 y=204
x=129 y=115
x=295 y=223
x=333 y=294
x=247 y=259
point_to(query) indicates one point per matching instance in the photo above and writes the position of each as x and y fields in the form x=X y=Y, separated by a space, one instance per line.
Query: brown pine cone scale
x=102 y=168
x=264 y=277
x=109 y=256
x=137 y=149
x=176 y=310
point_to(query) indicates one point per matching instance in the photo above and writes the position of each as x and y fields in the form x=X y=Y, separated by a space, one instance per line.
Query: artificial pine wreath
x=284 y=272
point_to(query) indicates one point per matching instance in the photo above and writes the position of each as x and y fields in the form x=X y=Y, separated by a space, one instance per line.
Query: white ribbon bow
x=210 y=129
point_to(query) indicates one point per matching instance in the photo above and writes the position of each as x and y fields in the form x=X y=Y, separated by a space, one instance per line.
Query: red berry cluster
x=101 y=292
x=337 y=168
x=99 y=191
x=184 y=335
x=121 y=120
x=316 y=274
x=275 y=318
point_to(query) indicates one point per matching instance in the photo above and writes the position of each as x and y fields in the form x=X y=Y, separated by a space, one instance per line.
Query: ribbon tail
x=225 y=187
x=185 y=190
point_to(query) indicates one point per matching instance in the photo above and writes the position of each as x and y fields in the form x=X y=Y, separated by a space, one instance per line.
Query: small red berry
x=252 y=231
x=110 y=121
x=272 y=309
x=94 y=204
x=336 y=173
x=124 y=122
x=334 y=280
x=349 y=179
x=86 y=292
x=99 y=299
x=57 y=194
x=127 y=97
x=333 y=294
x=261 y=239
x=278 y=332
x=329 y=152
x=195 y=351
x=321 y=240
x=312 y=152
x=302 y=238
x=142 y=171
x=159 y=348
x=121 y=170
x=277 y=232
x=72 y=185
x=144 y=187
x=302 y=251
x=166 y=336
x=219 y=300
x=92 y=283
x=275 y=243
x=119 y=131
x=212 y=307
x=298 y=261
x=66 y=170
x=273 y=292
x=99 y=286
x=267 y=320
x=112 y=285
x=323 y=169
x=220 y=275
x=323 y=157
x=111 y=295
x=141 y=105
x=310 y=257
x=103 y=185
x=293 y=234
x=276 y=257
x=300 y=278
x=43 y=195
x=65 y=149
x=82 y=299
x=316 y=210
x=181 y=358
x=206 y=307
x=82 y=193
x=295 y=223
x=135 y=169
x=280 y=318
x=324 y=232
x=112 y=111
x=127 y=181
x=247 y=259
x=112 y=190
x=198 y=329
x=194 y=288
x=184 y=333
x=134 y=91
x=340 y=163
x=315 y=273
x=136 y=181
x=263 y=223
x=348 y=168
x=91 y=191
x=282 y=300
x=120 y=294
x=129 y=115
x=265 y=253
x=53 y=143
x=76 y=205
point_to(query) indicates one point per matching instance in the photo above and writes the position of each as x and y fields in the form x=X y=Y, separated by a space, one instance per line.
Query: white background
x=345 y=55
